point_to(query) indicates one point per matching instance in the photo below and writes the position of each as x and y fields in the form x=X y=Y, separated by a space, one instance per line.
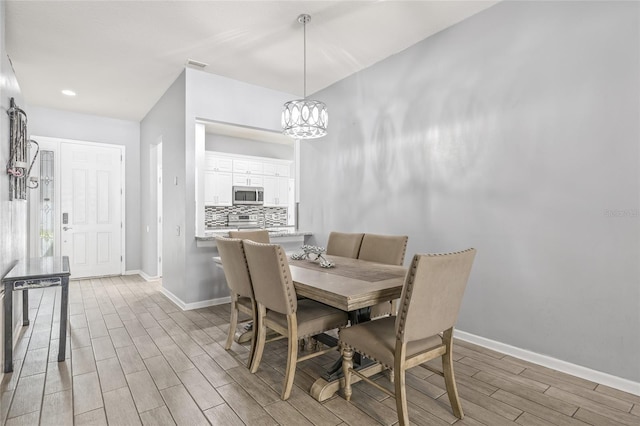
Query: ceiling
x=121 y=56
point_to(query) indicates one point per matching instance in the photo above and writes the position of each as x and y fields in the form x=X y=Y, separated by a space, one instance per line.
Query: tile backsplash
x=216 y=216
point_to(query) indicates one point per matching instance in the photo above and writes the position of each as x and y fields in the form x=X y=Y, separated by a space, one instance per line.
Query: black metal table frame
x=60 y=278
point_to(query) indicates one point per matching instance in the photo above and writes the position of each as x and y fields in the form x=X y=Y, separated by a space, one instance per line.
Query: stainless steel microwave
x=248 y=195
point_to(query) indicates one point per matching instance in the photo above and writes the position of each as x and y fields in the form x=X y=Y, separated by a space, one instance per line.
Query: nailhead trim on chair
x=353 y=348
x=283 y=264
x=404 y=250
x=402 y=315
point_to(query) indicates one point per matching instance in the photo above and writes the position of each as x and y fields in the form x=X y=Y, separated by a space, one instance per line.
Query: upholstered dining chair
x=280 y=311
x=387 y=249
x=259 y=236
x=236 y=271
x=423 y=329
x=344 y=244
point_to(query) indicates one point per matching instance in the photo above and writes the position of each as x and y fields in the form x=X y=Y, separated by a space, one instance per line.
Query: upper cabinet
x=216 y=163
x=276 y=191
x=272 y=168
x=276 y=183
x=217 y=188
x=222 y=172
x=248 y=167
x=241 y=179
x=217 y=180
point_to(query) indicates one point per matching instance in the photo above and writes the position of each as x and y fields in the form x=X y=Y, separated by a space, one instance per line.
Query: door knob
x=66 y=228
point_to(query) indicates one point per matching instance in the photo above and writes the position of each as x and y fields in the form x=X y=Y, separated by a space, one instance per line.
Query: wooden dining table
x=353 y=286
x=350 y=284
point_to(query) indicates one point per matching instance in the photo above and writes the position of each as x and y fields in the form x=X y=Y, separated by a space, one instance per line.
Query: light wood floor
x=135 y=358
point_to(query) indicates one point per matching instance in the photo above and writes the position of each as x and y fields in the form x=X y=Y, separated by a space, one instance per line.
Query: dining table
x=353 y=286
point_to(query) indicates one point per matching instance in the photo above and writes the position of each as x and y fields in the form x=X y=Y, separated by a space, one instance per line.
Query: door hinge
x=160 y=259
x=120 y=258
x=120 y=157
x=120 y=225
x=120 y=191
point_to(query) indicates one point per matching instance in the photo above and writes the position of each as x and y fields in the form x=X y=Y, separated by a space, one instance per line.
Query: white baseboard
x=195 y=305
x=553 y=363
x=145 y=276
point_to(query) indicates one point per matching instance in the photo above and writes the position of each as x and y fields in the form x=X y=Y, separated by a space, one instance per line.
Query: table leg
x=244 y=332
x=63 y=319
x=25 y=307
x=321 y=390
x=359 y=362
x=8 y=327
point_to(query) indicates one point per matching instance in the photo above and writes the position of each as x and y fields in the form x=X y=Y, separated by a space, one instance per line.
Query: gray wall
x=188 y=271
x=220 y=99
x=515 y=132
x=91 y=128
x=231 y=145
x=13 y=214
x=165 y=122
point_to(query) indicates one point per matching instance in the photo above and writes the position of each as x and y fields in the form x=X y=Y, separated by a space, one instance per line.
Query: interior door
x=91 y=208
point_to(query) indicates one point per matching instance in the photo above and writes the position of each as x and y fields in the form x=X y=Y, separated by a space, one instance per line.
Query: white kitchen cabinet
x=223 y=171
x=247 y=180
x=276 y=191
x=218 y=163
x=272 y=168
x=248 y=167
x=217 y=188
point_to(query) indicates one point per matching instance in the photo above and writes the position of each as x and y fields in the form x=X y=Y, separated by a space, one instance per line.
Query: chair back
x=271 y=277
x=235 y=266
x=432 y=294
x=387 y=249
x=259 y=236
x=344 y=244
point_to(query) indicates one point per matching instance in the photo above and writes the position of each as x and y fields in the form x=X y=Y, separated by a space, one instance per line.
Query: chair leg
x=233 y=323
x=252 y=348
x=261 y=329
x=449 y=377
x=347 y=364
x=401 y=397
x=399 y=382
x=292 y=357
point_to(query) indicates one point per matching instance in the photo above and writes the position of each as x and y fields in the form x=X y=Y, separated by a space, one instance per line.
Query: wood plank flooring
x=134 y=358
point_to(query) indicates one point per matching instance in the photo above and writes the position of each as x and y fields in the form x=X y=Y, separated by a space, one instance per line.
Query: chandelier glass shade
x=304 y=118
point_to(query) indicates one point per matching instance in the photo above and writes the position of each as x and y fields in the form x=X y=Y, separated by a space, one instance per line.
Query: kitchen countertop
x=284 y=231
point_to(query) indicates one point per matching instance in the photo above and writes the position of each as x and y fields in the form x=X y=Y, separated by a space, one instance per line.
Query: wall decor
x=18 y=167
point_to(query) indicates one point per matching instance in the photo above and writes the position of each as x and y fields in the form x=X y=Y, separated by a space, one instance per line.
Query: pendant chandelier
x=304 y=118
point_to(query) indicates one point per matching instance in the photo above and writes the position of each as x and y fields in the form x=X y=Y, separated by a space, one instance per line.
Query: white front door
x=91 y=208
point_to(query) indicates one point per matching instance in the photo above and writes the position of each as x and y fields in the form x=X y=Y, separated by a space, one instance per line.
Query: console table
x=39 y=272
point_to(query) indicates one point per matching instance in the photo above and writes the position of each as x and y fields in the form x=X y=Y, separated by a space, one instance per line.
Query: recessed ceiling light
x=68 y=92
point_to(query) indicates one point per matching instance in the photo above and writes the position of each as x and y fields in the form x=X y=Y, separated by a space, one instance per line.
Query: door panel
x=91 y=196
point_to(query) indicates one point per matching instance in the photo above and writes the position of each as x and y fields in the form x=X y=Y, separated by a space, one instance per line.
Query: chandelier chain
x=302 y=118
x=304 y=60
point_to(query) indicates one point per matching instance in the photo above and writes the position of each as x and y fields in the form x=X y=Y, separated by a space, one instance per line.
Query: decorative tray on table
x=313 y=254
